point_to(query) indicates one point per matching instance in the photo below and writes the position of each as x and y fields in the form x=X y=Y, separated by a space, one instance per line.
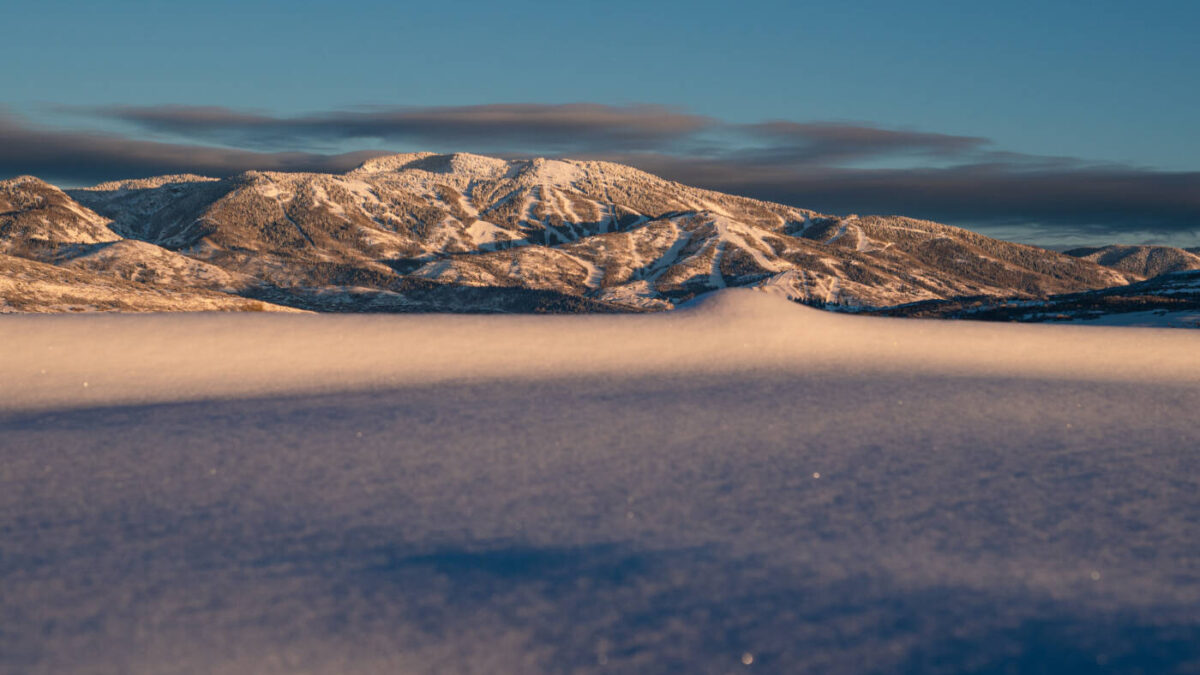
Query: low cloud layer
x=1072 y=198
x=79 y=157
x=827 y=142
x=532 y=127
x=831 y=167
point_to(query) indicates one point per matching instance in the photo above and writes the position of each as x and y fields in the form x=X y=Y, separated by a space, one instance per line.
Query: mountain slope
x=31 y=286
x=37 y=220
x=467 y=233
x=609 y=234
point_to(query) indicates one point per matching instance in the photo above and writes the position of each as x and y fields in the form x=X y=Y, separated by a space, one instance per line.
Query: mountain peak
x=150 y=183
x=463 y=164
x=24 y=181
x=389 y=163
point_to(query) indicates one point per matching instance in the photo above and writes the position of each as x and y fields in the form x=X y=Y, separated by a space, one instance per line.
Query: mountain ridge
x=464 y=232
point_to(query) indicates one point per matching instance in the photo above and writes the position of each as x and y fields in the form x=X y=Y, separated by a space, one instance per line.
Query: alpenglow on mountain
x=426 y=232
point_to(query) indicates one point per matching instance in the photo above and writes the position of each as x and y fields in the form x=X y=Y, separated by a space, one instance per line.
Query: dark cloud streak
x=81 y=157
x=565 y=127
x=1075 y=199
x=815 y=165
x=828 y=142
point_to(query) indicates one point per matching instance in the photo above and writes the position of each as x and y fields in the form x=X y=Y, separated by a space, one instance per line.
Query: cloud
x=962 y=180
x=1054 y=196
x=526 y=126
x=79 y=157
x=831 y=142
x=531 y=128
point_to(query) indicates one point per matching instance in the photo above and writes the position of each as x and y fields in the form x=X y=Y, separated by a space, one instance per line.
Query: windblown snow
x=741 y=484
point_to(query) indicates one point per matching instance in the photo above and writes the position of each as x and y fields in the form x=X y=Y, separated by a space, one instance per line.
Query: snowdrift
x=51 y=361
x=740 y=485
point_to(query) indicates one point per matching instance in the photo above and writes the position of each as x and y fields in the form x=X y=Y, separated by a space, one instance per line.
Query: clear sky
x=1102 y=86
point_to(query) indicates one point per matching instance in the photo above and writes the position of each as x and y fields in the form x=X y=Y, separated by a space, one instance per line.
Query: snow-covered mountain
x=426 y=232
x=1146 y=261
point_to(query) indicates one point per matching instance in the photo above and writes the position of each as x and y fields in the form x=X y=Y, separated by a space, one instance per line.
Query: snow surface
x=744 y=484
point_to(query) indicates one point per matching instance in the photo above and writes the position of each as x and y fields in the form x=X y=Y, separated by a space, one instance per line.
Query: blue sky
x=1106 y=86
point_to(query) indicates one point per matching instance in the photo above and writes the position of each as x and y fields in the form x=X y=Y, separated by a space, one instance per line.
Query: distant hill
x=1170 y=300
x=1144 y=261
